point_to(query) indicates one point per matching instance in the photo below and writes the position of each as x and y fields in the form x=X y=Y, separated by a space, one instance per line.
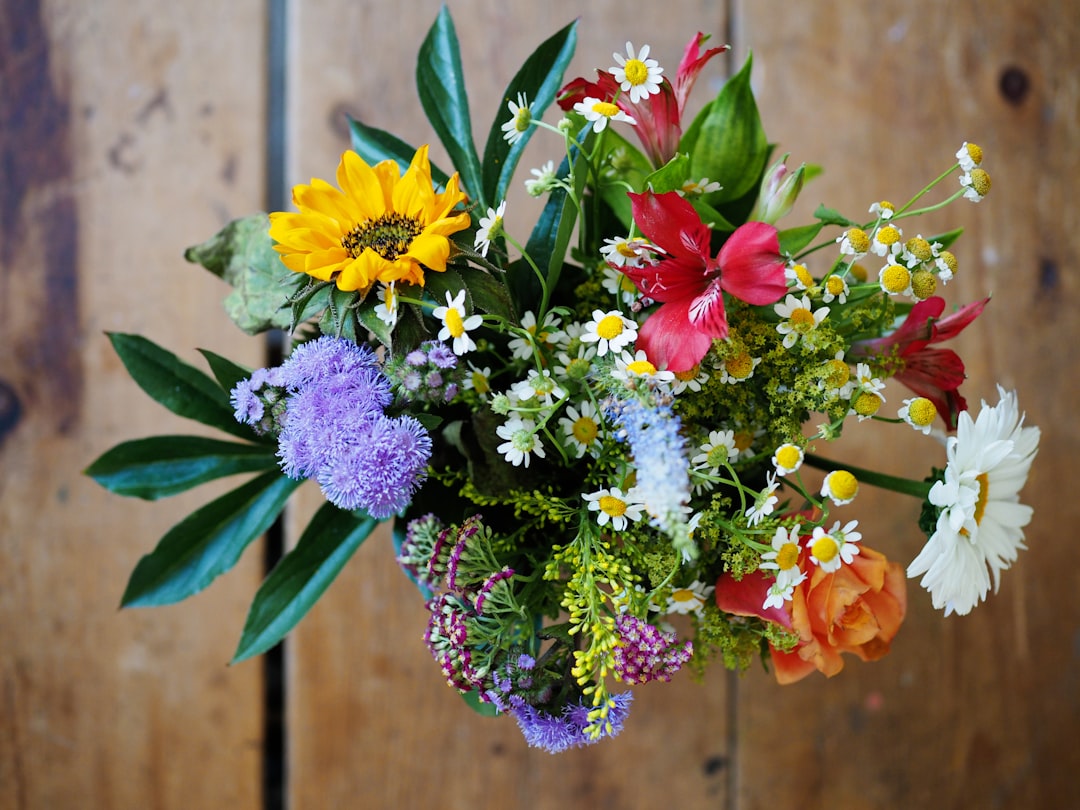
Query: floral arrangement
x=599 y=445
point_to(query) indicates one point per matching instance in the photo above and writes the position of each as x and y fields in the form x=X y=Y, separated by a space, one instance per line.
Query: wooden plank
x=975 y=711
x=128 y=131
x=370 y=720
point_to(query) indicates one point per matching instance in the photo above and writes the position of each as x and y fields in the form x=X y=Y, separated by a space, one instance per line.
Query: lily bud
x=779 y=190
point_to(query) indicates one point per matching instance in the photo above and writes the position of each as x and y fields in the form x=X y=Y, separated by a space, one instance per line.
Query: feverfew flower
x=615 y=507
x=883 y=210
x=638 y=367
x=598 y=113
x=698 y=188
x=543 y=180
x=456 y=325
x=490 y=228
x=637 y=75
x=787 y=458
x=619 y=284
x=738 y=368
x=969 y=155
x=540 y=386
x=980 y=518
x=854 y=242
x=784 y=558
x=895 y=279
x=920 y=413
x=887 y=241
x=765 y=502
x=625 y=252
x=548 y=334
x=977 y=183
x=800 y=319
x=582 y=427
x=834 y=288
x=830 y=549
x=388 y=312
x=718 y=451
x=840 y=487
x=690 y=380
x=799 y=277
x=520 y=120
x=690 y=599
x=610 y=331
x=521 y=443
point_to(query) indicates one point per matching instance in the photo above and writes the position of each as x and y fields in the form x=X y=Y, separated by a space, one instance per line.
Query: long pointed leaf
x=181 y=388
x=539 y=79
x=207 y=543
x=225 y=371
x=160 y=466
x=301 y=577
x=440 y=82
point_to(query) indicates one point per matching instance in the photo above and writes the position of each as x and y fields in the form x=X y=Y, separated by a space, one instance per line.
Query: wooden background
x=130 y=129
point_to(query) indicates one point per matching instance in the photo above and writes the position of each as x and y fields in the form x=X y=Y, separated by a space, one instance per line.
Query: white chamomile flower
x=718 y=451
x=582 y=427
x=543 y=180
x=854 y=242
x=866 y=381
x=883 y=210
x=690 y=599
x=765 y=502
x=478 y=380
x=689 y=380
x=547 y=335
x=977 y=184
x=491 y=227
x=575 y=367
x=737 y=368
x=698 y=188
x=455 y=325
x=630 y=368
x=778 y=594
x=834 y=288
x=969 y=155
x=521 y=441
x=799 y=318
x=520 y=119
x=619 y=285
x=920 y=413
x=887 y=241
x=623 y=251
x=388 y=312
x=637 y=74
x=895 y=279
x=840 y=486
x=745 y=438
x=919 y=250
x=610 y=331
x=799 y=277
x=784 y=556
x=835 y=547
x=598 y=113
x=615 y=507
x=787 y=458
x=539 y=385
x=980 y=525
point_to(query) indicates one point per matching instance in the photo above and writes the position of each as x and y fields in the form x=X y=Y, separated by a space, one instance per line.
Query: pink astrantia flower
x=932 y=373
x=690 y=284
x=658 y=118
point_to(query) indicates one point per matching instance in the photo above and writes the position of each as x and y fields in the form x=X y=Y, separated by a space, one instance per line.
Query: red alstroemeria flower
x=690 y=284
x=659 y=117
x=932 y=373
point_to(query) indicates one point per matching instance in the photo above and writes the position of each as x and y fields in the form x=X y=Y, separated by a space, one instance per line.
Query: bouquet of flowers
x=581 y=432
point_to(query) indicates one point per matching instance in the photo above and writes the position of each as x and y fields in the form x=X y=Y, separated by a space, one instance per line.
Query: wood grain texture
x=128 y=130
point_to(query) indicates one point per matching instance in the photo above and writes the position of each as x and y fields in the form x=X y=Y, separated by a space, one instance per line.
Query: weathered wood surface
x=130 y=130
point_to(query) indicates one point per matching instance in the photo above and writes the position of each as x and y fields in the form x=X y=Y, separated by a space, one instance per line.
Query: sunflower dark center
x=390 y=235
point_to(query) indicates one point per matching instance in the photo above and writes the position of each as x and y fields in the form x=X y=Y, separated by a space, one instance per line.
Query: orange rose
x=856 y=609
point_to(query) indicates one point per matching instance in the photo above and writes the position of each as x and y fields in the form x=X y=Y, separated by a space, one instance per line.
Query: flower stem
x=906 y=486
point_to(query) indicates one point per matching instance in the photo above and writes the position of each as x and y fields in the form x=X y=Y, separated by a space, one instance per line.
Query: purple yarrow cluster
x=645 y=653
x=429 y=373
x=334 y=428
x=565 y=730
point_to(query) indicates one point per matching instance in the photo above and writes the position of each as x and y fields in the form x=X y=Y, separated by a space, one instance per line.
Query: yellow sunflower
x=381 y=226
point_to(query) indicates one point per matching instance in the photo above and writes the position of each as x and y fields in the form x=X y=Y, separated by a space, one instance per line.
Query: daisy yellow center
x=453 y=322
x=858 y=272
x=803 y=275
x=626 y=249
x=788 y=556
x=885 y=205
x=610 y=326
x=585 y=430
x=866 y=404
x=683 y=595
x=802 y=319
x=743 y=440
x=610 y=505
x=717 y=456
x=825 y=548
x=834 y=285
x=922 y=411
x=888 y=235
x=626 y=285
x=642 y=367
x=689 y=374
x=949 y=259
x=522 y=119
x=923 y=284
x=980 y=181
x=919 y=248
x=788 y=456
x=636 y=72
x=523 y=441
x=858 y=240
x=390 y=235
x=975 y=153
x=837 y=373
x=895 y=279
x=480 y=383
x=740 y=366
x=843 y=485
x=605 y=108
x=984 y=496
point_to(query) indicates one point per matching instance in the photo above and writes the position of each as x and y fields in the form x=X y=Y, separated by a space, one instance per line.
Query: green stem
x=906 y=486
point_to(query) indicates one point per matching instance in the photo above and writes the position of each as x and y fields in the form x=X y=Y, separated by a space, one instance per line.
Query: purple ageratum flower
x=555 y=733
x=646 y=653
x=441 y=355
x=328 y=356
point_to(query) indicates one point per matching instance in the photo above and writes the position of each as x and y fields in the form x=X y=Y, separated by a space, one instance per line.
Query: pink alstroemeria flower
x=690 y=284
x=932 y=373
x=659 y=117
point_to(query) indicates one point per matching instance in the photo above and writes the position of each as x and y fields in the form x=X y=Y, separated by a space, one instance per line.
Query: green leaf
x=633 y=168
x=946 y=239
x=207 y=543
x=181 y=388
x=301 y=577
x=440 y=82
x=225 y=371
x=488 y=292
x=160 y=466
x=472 y=700
x=671 y=176
x=376 y=145
x=727 y=144
x=242 y=254
x=539 y=79
x=830 y=216
x=792 y=240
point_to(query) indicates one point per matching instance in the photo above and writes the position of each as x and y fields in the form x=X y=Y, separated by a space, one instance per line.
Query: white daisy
x=625 y=252
x=521 y=441
x=619 y=285
x=719 y=450
x=520 y=119
x=840 y=487
x=787 y=458
x=543 y=180
x=690 y=599
x=799 y=318
x=539 y=385
x=490 y=228
x=969 y=155
x=637 y=75
x=630 y=368
x=690 y=380
x=883 y=210
x=920 y=413
x=854 y=242
x=548 y=334
x=887 y=241
x=598 y=113
x=831 y=549
x=977 y=184
x=765 y=502
x=615 y=507
x=981 y=520
x=478 y=380
x=610 y=331
x=388 y=312
x=455 y=324
x=582 y=427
